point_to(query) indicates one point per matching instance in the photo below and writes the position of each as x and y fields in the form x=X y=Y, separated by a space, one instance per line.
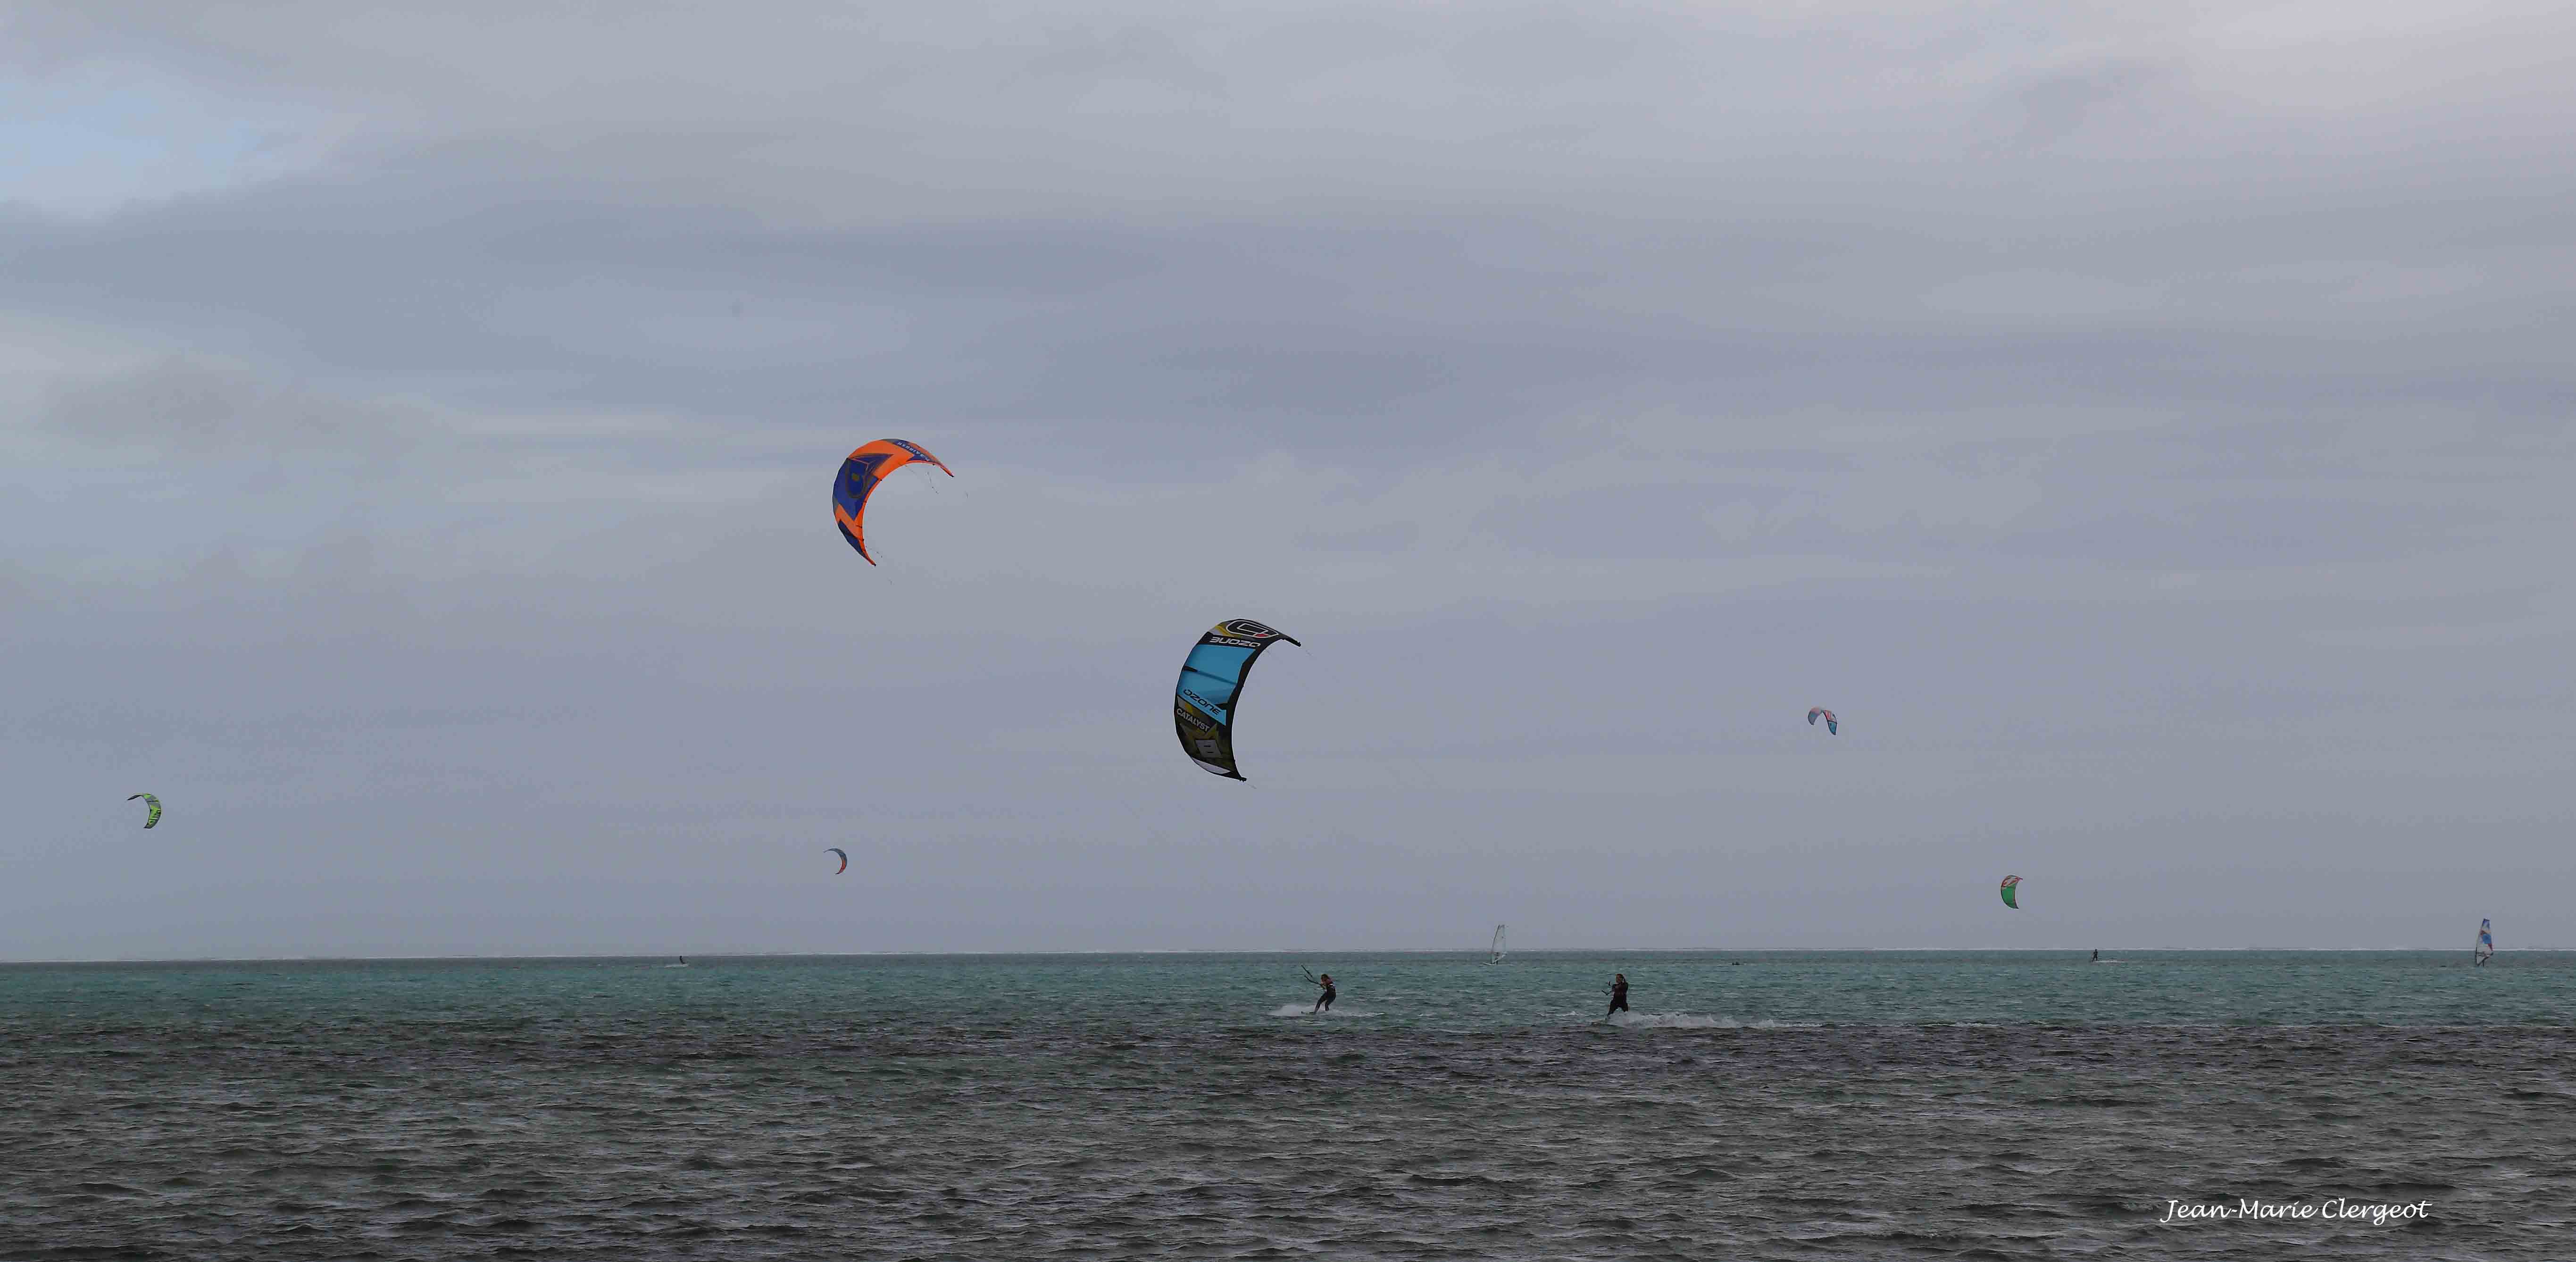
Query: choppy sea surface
x=1753 y=1105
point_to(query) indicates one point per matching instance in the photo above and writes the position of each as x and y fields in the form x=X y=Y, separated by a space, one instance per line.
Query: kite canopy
x=1833 y=726
x=1211 y=678
x=2012 y=890
x=152 y=806
x=860 y=474
x=845 y=859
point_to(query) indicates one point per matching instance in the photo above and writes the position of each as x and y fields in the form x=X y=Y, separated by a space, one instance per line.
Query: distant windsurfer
x=1618 y=995
x=1324 y=1001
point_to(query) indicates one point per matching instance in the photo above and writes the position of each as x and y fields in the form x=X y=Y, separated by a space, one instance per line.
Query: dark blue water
x=1790 y=1105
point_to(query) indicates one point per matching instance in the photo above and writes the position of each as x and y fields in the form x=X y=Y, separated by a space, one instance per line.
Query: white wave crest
x=1695 y=1021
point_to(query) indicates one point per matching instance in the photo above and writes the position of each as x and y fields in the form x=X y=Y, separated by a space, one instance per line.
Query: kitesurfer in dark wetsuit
x=1618 y=995
x=1324 y=1001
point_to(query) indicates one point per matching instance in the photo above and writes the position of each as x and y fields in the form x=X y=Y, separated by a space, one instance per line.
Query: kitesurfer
x=1618 y=995
x=2097 y=955
x=1324 y=1001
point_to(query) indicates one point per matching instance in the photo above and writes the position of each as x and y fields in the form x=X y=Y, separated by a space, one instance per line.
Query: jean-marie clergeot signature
x=2338 y=1210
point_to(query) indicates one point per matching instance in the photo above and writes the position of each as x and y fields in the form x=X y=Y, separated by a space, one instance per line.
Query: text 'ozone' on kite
x=151 y=807
x=860 y=474
x=1833 y=726
x=2012 y=892
x=1211 y=678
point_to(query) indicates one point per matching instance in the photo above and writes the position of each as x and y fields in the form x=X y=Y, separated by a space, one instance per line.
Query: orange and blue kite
x=860 y=474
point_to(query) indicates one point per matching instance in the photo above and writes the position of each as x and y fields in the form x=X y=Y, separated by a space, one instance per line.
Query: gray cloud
x=195 y=407
x=2157 y=444
x=2055 y=105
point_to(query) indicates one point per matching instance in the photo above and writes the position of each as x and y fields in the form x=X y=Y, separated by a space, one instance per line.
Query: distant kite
x=152 y=805
x=1833 y=726
x=845 y=859
x=2012 y=892
x=860 y=474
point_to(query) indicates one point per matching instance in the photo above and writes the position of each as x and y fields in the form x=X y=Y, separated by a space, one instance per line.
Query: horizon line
x=1427 y=951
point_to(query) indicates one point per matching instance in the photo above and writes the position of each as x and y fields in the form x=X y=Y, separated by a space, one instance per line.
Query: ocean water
x=1768 y=1105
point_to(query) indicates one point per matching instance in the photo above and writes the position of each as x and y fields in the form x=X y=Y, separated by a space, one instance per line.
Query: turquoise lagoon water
x=1768 y=1104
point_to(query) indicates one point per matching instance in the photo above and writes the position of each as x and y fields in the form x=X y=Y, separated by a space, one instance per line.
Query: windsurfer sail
x=2486 y=944
x=1497 y=956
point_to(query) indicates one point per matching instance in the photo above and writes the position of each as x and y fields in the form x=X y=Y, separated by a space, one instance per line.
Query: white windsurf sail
x=1497 y=956
x=2486 y=943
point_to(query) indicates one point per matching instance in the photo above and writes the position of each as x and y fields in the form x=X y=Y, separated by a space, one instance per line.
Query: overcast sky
x=2151 y=428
